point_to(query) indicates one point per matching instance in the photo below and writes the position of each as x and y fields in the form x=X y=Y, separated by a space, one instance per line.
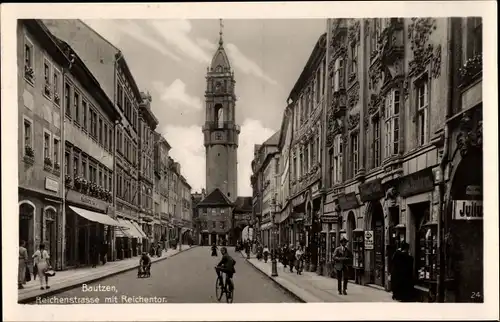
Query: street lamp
x=248 y=237
x=274 y=263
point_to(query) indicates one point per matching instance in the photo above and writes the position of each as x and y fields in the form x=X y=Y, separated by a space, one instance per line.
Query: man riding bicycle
x=226 y=265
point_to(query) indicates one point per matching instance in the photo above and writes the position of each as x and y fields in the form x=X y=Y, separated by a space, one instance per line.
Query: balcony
x=210 y=125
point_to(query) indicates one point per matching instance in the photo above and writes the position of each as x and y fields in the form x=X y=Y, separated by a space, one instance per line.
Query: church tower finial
x=220 y=32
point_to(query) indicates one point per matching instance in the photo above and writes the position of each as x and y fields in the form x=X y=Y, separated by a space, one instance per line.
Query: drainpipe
x=442 y=165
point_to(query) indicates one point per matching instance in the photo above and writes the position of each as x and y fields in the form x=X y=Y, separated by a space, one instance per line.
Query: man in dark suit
x=342 y=257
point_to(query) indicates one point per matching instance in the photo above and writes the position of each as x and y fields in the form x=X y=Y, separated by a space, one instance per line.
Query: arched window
x=218 y=69
x=219 y=116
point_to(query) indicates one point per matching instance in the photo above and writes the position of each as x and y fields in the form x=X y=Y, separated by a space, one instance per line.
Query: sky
x=169 y=58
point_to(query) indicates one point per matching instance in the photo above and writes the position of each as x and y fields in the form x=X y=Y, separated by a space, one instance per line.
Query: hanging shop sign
x=417 y=182
x=467 y=210
x=348 y=201
x=368 y=239
x=371 y=190
x=473 y=191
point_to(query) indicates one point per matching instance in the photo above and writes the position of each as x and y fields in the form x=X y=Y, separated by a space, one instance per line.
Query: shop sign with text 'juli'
x=467 y=210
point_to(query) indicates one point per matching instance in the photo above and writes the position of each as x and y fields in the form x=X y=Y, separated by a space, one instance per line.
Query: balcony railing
x=226 y=125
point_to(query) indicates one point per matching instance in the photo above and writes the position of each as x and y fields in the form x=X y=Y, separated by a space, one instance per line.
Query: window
x=100 y=131
x=337 y=154
x=110 y=139
x=354 y=58
x=422 y=110
x=100 y=178
x=354 y=154
x=110 y=182
x=105 y=180
x=323 y=82
x=57 y=86
x=66 y=163
x=28 y=138
x=222 y=225
x=119 y=95
x=213 y=222
x=474 y=36
x=331 y=159
x=76 y=100
x=84 y=168
x=376 y=30
x=306 y=158
x=376 y=142
x=46 y=75
x=46 y=145
x=339 y=74
x=67 y=102
x=84 y=108
x=392 y=123
x=56 y=150
x=75 y=164
x=29 y=60
x=105 y=142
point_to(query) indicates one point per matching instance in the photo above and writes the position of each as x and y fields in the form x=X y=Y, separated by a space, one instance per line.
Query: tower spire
x=220 y=32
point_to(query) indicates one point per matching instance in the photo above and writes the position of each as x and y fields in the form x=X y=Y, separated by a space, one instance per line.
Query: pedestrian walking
x=299 y=260
x=284 y=256
x=402 y=280
x=266 y=253
x=104 y=252
x=22 y=265
x=214 y=249
x=291 y=257
x=94 y=253
x=342 y=257
x=41 y=259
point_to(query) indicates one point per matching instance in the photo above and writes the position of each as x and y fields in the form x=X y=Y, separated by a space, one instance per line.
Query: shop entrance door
x=379 y=251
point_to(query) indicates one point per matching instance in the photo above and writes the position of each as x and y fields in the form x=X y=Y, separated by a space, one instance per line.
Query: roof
x=273 y=140
x=243 y=204
x=314 y=59
x=220 y=58
x=215 y=198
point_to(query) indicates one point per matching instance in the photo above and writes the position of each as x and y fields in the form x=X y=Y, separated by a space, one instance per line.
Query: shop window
x=392 y=123
x=358 y=249
x=322 y=248
x=426 y=245
x=422 y=91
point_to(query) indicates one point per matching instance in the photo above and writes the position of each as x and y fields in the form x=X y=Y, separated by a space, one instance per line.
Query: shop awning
x=132 y=231
x=139 y=229
x=123 y=231
x=96 y=217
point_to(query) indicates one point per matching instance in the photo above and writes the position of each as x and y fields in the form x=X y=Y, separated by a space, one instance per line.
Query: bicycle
x=220 y=291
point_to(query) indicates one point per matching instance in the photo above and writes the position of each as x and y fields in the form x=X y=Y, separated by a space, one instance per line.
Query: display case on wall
x=358 y=248
x=322 y=247
x=427 y=255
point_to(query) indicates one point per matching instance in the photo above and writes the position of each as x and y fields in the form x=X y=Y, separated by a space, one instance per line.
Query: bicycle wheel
x=218 y=289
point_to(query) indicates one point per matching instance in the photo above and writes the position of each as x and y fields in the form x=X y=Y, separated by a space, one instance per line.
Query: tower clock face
x=218 y=136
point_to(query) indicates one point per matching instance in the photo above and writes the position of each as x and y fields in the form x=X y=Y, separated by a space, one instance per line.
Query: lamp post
x=248 y=238
x=274 y=263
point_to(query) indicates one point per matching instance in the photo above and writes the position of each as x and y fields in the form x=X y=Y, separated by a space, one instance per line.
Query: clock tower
x=220 y=131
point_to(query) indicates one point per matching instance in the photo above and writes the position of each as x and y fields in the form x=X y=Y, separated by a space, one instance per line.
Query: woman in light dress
x=299 y=254
x=41 y=259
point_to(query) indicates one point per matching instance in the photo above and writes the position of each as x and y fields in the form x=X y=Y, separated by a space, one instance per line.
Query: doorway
x=26 y=222
x=378 y=244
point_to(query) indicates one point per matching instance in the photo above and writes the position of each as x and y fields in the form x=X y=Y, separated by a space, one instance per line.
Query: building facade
x=186 y=210
x=161 y=153
x=307 y=101
x=109 y=67
x=89 y=121
x=147 y=124
x=390 y=88
x=40 y=119
x=216 y=213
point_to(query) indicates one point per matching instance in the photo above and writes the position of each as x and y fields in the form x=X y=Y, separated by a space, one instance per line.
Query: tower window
x=219 y=116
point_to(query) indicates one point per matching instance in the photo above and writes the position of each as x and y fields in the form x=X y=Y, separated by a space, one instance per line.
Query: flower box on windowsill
x=46 y=90
x=29 y=160
x=57 y=98
x=29 y=73
x=471 y=70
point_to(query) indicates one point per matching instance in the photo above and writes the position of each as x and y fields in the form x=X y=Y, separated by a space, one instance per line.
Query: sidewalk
x=311 y=287
x=64 y=280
